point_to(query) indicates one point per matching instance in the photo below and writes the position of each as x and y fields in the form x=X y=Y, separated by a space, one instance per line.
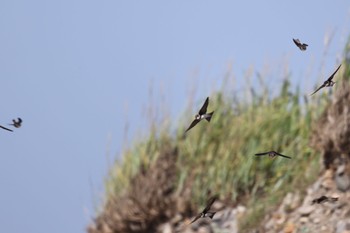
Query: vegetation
x=219 y=157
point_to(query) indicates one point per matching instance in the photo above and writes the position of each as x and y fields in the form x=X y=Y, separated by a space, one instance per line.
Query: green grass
x=219 y=157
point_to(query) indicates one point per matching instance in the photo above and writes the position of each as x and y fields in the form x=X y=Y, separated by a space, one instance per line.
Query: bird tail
x=209 y=115
x=211 y=214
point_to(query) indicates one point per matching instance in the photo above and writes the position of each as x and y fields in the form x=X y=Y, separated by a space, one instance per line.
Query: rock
x=316 y=220
x=327 y=229
x=306 y=210
x=342 y=179
x=291 y=202
x=241 y=209
x=288 y=199
x=303 y=220
x=340 y=170
x=342 y=226
x=176 y=219
x=226 y=220
x=166 y=228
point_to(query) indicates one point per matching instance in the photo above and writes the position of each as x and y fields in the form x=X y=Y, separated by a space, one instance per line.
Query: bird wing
x=6 y=128
x=285 y=156
x=209 y=204
x=322 y=86
x=319 y=199
x=194 y=122
x=297 y=42
x=196 y=218
x=331 y=77
x=19 y=120
x=204 y=107
x=264 y=153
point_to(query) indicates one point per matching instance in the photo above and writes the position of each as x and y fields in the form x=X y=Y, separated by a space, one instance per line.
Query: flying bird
x=17 y=123
x=6 y=128
x=205 y=212
x=272 y=154
x=202 y=114
x=324 y=199
x=328 y=82
x=301 y=46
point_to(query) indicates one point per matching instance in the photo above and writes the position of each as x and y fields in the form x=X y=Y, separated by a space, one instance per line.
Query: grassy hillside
x=219 y=157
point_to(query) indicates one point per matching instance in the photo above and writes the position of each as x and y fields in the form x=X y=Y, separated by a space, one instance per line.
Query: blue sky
x=77 y=71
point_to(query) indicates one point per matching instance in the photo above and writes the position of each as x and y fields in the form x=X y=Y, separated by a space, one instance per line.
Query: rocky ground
x=298 y=214
x=225 y=221
x=295 y=214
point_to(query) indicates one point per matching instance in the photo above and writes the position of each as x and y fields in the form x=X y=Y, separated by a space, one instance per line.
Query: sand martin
x=272 y=154
x=324 y=199
x=202 y=114
x=205 y=212
x=17 y=123
x=328 y=82
x=6 y=128
x=301 y=46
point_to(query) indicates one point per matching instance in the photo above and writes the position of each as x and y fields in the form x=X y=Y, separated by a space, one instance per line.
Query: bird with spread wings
x=272 y=154
x=329 y=82
x=205 y=212
x=202 y=114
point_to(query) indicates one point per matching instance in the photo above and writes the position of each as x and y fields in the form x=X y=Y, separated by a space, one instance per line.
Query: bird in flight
x=324 y=199
x=6 y=128
x=301 y=46
x=205 y=212
x=272 y=154
x=17 y=123
x=202 y=114
x=328 y=82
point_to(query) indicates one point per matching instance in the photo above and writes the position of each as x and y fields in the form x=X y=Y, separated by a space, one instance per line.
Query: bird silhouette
x=202 y=114
x=17 y=123
x=324 y=199
x=272 y=154
x=328 y=82
x=301 y=46
x=205 y=212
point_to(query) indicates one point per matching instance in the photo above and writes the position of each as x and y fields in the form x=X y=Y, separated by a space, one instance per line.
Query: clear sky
x=76 y=71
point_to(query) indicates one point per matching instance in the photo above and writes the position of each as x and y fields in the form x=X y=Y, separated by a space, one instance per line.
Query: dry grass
x=150 y=200
x=219 y=158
